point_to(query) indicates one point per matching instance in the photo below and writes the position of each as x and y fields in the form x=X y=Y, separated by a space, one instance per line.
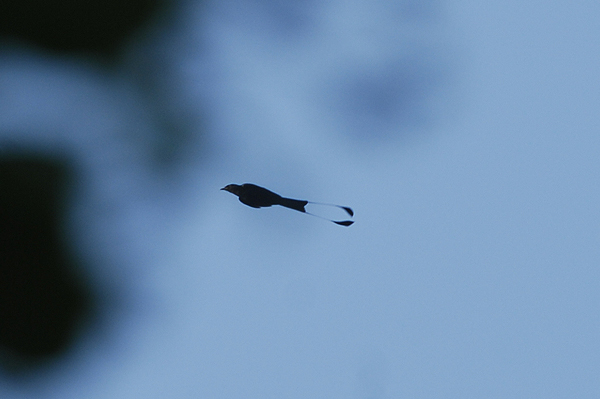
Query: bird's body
x=259 y=197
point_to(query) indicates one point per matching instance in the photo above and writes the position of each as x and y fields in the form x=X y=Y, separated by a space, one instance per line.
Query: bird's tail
x=295 y=204
x=299 y=205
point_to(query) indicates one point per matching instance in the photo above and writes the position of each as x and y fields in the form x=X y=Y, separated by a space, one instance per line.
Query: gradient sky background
x=465 y=135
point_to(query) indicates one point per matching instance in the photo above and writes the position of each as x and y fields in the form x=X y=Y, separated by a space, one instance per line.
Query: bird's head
x=232 y=188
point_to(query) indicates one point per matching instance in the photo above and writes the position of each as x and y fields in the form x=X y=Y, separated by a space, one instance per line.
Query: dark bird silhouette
x=259 y=197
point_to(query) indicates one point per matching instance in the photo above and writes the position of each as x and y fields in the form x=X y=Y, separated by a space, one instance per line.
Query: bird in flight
x=259 y=197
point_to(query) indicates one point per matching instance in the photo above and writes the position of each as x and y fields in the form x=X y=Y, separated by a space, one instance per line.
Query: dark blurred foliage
x=43 y=298
x=96 y=27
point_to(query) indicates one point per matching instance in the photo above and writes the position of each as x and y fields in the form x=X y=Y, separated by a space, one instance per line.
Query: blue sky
x=465 y=137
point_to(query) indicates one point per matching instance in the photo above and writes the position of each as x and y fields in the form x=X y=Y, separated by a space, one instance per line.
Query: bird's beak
x=226 y=188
